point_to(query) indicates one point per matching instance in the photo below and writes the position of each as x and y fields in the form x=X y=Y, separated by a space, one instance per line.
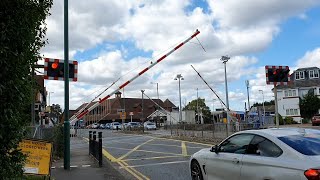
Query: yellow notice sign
x=38 y=156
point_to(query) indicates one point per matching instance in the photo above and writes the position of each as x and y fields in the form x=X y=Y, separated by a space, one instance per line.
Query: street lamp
x=179 y=77
x=158 y=100
x=264 y=110
x=49 y=100
x=224 y=60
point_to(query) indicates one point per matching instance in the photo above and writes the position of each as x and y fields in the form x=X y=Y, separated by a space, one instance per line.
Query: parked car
x=284 y=153
x=316 y=120
x=101 y=126
x=107 y=126
x=115 y=125
x=95 y=126
x=133 y=125
x=150 y=126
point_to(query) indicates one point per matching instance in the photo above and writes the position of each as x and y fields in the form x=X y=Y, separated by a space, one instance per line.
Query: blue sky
x=115 y=39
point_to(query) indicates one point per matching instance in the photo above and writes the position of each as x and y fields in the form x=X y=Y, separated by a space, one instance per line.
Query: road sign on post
x=123 y=115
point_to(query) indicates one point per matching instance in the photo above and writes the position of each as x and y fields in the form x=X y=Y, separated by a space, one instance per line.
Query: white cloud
x=310 y=59
x=234 y=28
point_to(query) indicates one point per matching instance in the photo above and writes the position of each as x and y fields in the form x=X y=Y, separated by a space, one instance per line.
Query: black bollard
x=100 y=148
x=90 y=142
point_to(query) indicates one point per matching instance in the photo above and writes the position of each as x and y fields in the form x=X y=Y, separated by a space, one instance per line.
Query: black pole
x=90 y=142
x=100 y=148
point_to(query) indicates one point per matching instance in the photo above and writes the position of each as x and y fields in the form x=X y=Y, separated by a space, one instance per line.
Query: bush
x=289 y=120
x=280 y=120
x=305 y=121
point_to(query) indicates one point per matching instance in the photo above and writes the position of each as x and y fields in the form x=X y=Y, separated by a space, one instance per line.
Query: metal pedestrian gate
x=95 y=147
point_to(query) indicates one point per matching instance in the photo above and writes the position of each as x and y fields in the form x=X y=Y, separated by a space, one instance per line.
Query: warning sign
x=38 y=156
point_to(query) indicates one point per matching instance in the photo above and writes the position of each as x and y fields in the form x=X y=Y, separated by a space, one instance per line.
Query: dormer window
x=313 y=74
x=300 y=75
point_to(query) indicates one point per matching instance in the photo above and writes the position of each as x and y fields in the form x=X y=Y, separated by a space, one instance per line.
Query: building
x=126 y=109
x=302 y=80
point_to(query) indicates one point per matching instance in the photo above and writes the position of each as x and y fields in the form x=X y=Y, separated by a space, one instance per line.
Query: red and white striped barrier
x=86 y=111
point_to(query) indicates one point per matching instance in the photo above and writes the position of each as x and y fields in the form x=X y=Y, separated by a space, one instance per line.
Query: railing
x=95 y=147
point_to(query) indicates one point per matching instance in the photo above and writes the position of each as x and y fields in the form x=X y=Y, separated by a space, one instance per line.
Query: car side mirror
x=215 y=149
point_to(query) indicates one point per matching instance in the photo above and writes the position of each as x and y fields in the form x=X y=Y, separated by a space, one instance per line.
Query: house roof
x=301 y=83
x=110 y=108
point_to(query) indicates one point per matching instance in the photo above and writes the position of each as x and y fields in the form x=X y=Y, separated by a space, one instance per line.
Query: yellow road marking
x=124 y=165
x=134 y=149
x=108 y=156
x=138 y=150
x=157 y=164
x=136 y=171
x=160 y=157
x=187 y=141
x=129 y=170
x=183 y=148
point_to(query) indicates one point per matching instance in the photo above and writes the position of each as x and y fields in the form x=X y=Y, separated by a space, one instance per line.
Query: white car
x=150 y=126
x=273 y=154
x=116 y=125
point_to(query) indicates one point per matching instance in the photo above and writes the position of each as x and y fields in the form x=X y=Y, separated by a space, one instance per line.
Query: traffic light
x=277 y=74
x=54 y=69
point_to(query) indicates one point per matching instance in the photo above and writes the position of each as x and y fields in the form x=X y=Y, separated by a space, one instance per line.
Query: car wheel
x=196 y=173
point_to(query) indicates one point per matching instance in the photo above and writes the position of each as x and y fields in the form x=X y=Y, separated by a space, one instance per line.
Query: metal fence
x=217 y=130
x=95 y=147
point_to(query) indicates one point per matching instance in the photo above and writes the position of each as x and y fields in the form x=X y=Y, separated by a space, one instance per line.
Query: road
x=149 y=157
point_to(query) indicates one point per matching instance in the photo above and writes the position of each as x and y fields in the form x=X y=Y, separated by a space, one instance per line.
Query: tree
x=202 y=107
x=309 y=105
x=22 y=31
x=266 y=103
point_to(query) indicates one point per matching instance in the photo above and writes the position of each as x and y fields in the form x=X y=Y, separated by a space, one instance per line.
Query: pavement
x=83 y=166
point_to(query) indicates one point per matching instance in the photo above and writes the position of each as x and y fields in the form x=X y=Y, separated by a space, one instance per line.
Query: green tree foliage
x=22 y=32
x=202 y=107
x=266 y=103
x=309 y=105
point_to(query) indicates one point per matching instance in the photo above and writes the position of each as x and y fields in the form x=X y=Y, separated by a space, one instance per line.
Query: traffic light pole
x=276 y=104
x=66 y=123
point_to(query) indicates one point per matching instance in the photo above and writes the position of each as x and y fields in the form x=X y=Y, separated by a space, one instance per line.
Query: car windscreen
x=150 y=124
x=134 y=123
x=116 y=123
x=308 y=144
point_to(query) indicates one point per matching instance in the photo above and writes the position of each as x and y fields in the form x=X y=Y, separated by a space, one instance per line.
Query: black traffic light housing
x=277 y=74
x=54 y=69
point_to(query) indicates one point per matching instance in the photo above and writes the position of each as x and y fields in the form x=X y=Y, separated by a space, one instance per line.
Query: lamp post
x=224 y=60
x=158 y=100
x=264 y=110
x=49 y=100
x=198 y=121
x=179 y=77
x=142 y=119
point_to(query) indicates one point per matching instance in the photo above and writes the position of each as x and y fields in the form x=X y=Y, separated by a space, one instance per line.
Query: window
x=236 y=144
x=287 y=112
x=290 y=93
x=261 y=146
x=294 y=92
x=307 y=144
x=313 y=74
x=299 y=75
x=291 y=111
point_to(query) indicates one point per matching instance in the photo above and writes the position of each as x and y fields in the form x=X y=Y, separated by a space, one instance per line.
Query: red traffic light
x=54 y=65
